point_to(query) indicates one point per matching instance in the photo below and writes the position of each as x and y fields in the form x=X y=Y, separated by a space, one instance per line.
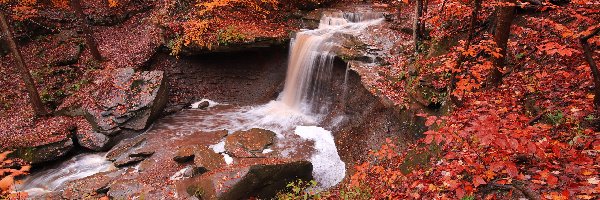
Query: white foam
x=266 y=151
x=328 y=168
x=211 y=103
x=228 y=159
x=219 y=147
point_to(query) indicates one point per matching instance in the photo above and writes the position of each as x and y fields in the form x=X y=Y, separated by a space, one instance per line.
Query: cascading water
x=294 y=116
x=311 y=59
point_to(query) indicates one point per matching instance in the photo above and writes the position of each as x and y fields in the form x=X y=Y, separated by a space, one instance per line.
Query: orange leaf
x=6 y=183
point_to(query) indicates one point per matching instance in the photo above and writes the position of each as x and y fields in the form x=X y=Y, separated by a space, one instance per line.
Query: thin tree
x=87 y=32
x=417 y=24
x=587 y=52
x=36 y=102
x=505 y=14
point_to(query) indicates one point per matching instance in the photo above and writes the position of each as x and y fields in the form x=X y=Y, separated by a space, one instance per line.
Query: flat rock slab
x=250 y=143
x=261 y=181
x=90 y=186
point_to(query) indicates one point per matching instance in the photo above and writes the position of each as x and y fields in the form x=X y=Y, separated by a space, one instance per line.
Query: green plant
x=355 y=193
x=556 y=118
x=300 y=190
x=468 y=198
x=230 y=35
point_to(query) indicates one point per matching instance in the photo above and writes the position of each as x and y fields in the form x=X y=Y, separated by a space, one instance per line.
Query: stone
x=134 y=102
x=90 y=186
x=126 y=161
x=44 y=152
x=262 y=181
x=92 y=140
x=142 y=153
x=250 y=143
x=201 y=105
x=206 y=159
x=184 y=154
x=124 y=147
x=125 y=189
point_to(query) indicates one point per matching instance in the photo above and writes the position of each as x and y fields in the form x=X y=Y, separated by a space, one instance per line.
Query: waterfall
x=312 y=53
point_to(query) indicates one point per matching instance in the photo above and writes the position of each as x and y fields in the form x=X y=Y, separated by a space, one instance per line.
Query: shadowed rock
x=261 y=181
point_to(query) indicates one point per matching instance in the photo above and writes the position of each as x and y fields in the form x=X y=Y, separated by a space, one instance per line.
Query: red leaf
x=552 y=180
x=477 y=180
x=511 y=169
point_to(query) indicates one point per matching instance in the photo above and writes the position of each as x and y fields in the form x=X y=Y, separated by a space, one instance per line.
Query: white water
x=311 y=60
x=298 y=111
x=80 y=166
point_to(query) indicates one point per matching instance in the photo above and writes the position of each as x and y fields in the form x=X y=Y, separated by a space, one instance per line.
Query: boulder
x=261 y=181
x=44 y=152
x=250 y=143
x=206 y=159
x=64 y=49
x=133 y=102
x=184 y=154
x=92 y=140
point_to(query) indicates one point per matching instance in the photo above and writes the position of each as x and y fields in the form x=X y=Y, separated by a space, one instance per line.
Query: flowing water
x=295 y=115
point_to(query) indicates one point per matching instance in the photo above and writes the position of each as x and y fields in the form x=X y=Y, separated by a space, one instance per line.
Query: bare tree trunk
x=467 y=45
x=417 y=24
x=34 y=96
x=504 y=17
x=587 y=52
x=87 y=33
x=423 y=32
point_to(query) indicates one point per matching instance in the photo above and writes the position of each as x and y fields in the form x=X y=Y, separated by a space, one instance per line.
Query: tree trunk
x=422 y=31
x=467 y=45
x=587 y=52
x=504 y=17
x=417 y=24
x=87 y=32
x=36 y=102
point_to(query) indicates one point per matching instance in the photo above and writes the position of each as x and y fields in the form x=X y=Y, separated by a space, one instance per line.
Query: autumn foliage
x=532 y=136
x=8 y=175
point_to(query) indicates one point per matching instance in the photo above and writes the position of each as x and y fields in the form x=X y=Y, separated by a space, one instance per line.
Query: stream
x=296 y=117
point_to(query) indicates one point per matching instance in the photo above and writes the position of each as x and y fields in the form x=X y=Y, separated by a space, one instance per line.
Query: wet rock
x=134 y=101
x=125 y=189
x=184 y=154
x=44 y=152
x=142 y=153
x=201 y=105
x=206 y=159
x=126 y=161
x=124 y=147
x=250 y=143
x=91 y=186
x=260 y=181
x=92 y=140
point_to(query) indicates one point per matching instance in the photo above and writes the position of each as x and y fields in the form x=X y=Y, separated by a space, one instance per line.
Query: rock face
x=129 y=151
x=250 y=143
x=45 y=152
x=134 y=101
x=261 y=181
x=92 y=140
